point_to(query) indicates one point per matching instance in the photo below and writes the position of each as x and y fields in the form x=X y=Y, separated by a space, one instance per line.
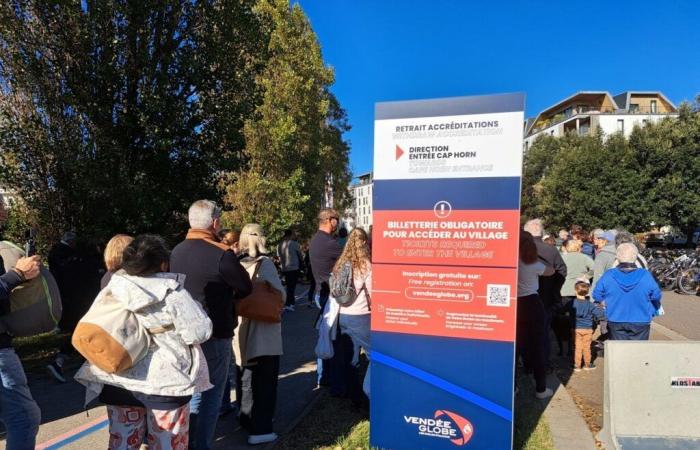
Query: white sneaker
x=289 y=308
x=544 y=394
x=255 y=439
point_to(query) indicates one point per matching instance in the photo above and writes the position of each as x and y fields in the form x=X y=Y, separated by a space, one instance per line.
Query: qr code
x=498 y=295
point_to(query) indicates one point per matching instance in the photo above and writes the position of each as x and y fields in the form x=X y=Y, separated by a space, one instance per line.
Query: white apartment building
x=584 y=112
x=360 y=214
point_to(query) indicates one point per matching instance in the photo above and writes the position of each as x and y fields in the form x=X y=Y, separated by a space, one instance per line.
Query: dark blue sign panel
x=445 y=238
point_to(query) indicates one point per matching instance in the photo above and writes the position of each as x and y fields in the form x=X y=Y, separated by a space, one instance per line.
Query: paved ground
x=586 y=387
x=63 y=413
x=62 y=404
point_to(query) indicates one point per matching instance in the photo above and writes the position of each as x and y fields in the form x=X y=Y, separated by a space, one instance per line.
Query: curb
x=669 y=333
x=569 y=430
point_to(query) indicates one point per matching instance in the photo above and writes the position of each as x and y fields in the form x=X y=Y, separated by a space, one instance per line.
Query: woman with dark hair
x=530 y=326
x=153 y=395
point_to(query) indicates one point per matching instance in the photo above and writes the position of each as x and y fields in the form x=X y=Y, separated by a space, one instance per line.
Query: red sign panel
x=461 y=302
x=462 y=238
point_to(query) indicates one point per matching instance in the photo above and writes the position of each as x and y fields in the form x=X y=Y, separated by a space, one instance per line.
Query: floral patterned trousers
x=167 y=429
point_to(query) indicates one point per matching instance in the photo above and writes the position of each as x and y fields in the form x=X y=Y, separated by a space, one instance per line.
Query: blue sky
x=385 y=50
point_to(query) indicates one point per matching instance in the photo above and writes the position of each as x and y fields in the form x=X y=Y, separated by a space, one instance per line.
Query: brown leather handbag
x=265 y=303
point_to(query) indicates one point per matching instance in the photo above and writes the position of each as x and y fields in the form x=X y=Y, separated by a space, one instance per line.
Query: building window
x=652 y=105
x=621 y=125
x=634 y=107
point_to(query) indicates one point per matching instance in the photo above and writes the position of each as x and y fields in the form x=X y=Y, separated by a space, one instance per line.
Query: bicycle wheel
x=667 y=280
x=688 y=280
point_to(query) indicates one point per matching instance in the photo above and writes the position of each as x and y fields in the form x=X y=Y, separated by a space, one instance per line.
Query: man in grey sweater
x=605 y=259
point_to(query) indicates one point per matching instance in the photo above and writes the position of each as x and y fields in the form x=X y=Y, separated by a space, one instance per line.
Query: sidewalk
x=66 y=425
x=585 y=389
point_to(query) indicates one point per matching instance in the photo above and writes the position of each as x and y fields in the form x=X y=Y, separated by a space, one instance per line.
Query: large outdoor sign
x=445 y=248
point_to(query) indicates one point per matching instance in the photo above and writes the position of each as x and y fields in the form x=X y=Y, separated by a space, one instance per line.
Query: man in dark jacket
x=550 y=286
x=324 y=251
x=215 y=278
x=18 y=410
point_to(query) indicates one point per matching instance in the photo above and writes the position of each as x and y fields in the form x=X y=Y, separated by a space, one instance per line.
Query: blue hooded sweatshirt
x=629 y=295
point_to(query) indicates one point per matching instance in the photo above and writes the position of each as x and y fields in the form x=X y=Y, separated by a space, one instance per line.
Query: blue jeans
x=204 y=407
x=18 y=410
x=628 y=331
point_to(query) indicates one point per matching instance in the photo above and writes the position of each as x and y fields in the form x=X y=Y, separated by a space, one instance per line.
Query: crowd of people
x=200 y=348
x=603 y=283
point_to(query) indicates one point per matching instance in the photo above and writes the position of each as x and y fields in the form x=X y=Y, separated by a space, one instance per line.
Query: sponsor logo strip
x=445 y=385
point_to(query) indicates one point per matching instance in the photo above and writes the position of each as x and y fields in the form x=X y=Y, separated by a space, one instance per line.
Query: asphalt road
x=64 y=416
x=682 y=314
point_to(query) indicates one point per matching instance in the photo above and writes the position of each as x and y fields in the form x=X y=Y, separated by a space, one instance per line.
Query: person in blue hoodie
x=631 y=297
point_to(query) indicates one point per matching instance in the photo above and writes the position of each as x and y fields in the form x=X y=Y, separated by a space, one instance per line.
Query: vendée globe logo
x=444 y=424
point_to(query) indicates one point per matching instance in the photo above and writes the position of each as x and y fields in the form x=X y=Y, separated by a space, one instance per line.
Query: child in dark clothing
x=584 y=312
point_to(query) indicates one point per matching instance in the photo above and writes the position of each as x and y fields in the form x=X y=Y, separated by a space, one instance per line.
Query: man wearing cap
x=605 y=259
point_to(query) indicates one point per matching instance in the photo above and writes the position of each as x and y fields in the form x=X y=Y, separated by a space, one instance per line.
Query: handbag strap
x=257 y=268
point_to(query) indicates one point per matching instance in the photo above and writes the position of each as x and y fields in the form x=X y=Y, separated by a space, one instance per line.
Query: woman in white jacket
x=154 y=394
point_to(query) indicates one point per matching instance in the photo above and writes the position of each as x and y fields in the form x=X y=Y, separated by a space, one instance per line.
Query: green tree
x=670 y=154
x=536 y=161
x=294 y=149
x=596 y=183
x=609 y=181
x=116 y=114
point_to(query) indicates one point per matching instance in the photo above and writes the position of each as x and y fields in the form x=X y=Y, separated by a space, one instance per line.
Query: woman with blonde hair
x=354 y=318
x=114 y=256
x=260 y=343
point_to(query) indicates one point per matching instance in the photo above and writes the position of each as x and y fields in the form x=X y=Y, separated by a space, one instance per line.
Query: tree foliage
x=610 y=181
x=294 y=147
x=116 y=114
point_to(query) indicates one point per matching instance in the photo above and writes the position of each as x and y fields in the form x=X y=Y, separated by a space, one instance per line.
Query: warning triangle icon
x=399 y=152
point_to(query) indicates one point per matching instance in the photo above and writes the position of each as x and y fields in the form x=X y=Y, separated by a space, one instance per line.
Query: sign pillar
x=445 y=248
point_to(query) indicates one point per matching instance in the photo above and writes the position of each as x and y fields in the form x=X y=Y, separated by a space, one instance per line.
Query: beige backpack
x=110 y=336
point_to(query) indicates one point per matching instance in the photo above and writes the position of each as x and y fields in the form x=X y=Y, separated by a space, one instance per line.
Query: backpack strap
x=369 y=299
x=161 y=329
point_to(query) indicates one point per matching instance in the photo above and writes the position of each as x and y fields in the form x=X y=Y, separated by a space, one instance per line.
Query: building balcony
x=583 y=112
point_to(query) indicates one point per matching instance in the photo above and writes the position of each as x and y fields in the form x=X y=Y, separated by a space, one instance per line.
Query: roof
x=620 y=101
x=571 y=97
x=624 y=98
